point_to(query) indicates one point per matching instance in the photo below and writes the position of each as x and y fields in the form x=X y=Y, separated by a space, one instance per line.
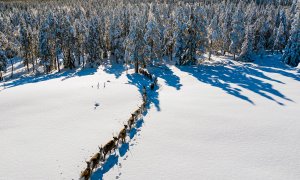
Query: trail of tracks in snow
x=113 y=159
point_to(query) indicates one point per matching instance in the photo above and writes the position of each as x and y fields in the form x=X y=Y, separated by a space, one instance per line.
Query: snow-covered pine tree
x=129 y=44
x=280 y=42
x=106 y=36
x=195 y=36
x=291 y=55
x=169 y=39
x=200 y=25
x=238 y=31
x=181 y=19
x=93 y=46
x=156 y=10
x=44 y=47
x=3 y=41
x=32 y=47
x=283 y=20
x=261 y=43
x=79 y=41
x=116 y=38
x=226 y=28
x=3 y=63
x=24 y=40
x=68 y=35
x=51 y=41
x=247 y=46
x=134 y=43
x=102 y=32
x=58 y=39
x=277 y=18
x=153 y=49
x=214 y=36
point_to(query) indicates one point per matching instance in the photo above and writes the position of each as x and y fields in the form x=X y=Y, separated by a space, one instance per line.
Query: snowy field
x=215 y=122
x=48 y=128
x=225 y=120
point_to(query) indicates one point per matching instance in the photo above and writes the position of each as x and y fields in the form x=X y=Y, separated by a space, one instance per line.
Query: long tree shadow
x=164 y=72
x=273 y=64
x=63 y=74
x=248 y=78
x=116 y=69
x=140 y=81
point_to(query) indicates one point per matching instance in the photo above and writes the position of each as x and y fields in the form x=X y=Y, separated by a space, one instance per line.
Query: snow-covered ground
x=217 y=121
x=49 y=125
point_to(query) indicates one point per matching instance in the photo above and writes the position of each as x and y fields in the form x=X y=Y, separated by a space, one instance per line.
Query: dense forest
x=78 y=33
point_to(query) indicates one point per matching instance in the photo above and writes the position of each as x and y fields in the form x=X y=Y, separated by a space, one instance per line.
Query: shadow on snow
x=164 y=72
x=139 y=81
x=63 y=74
x=113 y=159
x=116 y=69
x=248 y=76
x=273 y=64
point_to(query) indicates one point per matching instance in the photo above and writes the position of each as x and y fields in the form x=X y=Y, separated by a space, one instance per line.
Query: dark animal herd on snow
x=100 y=157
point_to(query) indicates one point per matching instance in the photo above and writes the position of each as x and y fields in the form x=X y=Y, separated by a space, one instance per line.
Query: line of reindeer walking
x=100 y=157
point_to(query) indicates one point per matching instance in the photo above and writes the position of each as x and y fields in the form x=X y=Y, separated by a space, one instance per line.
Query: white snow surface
x=49 y=128
x=207 y=130
x=221 y=120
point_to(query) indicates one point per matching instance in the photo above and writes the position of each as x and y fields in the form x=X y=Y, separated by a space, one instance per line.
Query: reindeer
x=145 y=97
x=96 y=158
x=143 y=107
x=150 y=76
x=137 y=112
x=122 y=134
x=141 y=71
x=108 y=147
x=87 y=172
x=131 y=121
x=155 y=80
x=152 y=86
x=144 y=89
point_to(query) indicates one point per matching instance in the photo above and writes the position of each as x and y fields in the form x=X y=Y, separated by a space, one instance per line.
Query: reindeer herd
x=100 y=157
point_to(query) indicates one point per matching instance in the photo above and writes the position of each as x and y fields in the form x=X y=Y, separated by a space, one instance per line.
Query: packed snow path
x=216 y=122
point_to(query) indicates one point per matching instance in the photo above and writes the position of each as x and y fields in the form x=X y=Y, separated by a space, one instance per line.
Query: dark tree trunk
x=27 y=65
x=210 y=47
x=79 y=56
x=136 y=66
x=83 y=60
x=33 y=64
x=12 y=68
x=57 y=62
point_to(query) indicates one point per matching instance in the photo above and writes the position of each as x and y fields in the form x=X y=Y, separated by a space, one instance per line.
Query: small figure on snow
x=96 y=105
